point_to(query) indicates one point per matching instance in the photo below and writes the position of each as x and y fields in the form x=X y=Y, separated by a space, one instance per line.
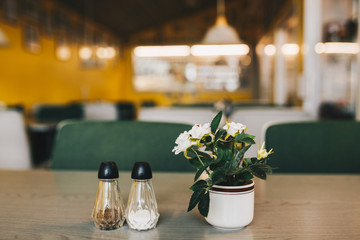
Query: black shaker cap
x=141 y=171
x=108 y=170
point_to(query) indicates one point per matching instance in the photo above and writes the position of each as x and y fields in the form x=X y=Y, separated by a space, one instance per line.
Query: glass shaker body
x=142 y=210
x=108 y=211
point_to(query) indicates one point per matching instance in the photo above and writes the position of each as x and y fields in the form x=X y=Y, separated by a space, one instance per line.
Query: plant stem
x=202 y=163
x=241 y=162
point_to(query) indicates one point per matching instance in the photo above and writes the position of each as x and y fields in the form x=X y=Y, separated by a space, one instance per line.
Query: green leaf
x=258 y=172
x=205 y=159
x=245 y=135
x=220 y=155
x=209 y=147
x=240 y=155
x=207 y=139
x=215 y=122
x=253 y=160
x=246 y=162
x=203 y=155
x=190 y=152
x=219 y=134
x=199 y=172
x=195 y=162
x=242 y=152
x=195 y=198
x=214 y=167
x=245 y=176
x=201 y=184
x=227 y=141
x=218 y=176
x=232 y=171
x=248 y=141
x=204 y=204
x=264 y=167
x=227 y=154
x=245 y=138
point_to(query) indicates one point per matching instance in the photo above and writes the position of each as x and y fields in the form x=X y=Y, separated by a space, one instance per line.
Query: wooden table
x=42 y=204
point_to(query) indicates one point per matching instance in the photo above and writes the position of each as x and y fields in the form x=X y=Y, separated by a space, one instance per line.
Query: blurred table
x=57 y=205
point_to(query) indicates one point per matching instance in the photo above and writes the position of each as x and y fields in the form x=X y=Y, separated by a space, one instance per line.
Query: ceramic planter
x=231 y=207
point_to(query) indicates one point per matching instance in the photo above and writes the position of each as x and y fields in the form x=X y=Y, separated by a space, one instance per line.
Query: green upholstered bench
x=83 y=145
x=57 y=113
x=314 y=146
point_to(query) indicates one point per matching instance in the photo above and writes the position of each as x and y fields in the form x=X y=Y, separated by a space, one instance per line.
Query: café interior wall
x=27 y=78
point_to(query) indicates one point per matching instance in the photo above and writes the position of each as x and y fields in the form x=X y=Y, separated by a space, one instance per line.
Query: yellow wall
x=29 y=78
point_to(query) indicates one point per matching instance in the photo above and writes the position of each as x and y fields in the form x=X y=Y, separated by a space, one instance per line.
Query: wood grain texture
x=57 y=205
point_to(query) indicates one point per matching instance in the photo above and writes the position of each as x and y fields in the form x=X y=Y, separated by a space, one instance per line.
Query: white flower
x=262 y=153
x=234 y=128
x=183 y=142
x=198 y=131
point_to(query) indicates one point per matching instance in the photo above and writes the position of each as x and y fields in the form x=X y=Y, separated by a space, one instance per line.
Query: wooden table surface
x=42 y=204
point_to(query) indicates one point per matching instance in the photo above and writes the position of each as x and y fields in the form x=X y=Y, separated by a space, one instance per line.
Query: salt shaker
x=142 y=211
x=108 y=211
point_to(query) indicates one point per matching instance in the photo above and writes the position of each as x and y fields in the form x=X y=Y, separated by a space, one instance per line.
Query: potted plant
x=223 y=188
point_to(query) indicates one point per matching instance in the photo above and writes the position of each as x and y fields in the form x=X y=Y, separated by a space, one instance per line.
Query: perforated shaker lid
x=141 y=171
x=108 y=170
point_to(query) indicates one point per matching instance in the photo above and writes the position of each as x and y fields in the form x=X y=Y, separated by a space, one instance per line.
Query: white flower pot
x=231 y=207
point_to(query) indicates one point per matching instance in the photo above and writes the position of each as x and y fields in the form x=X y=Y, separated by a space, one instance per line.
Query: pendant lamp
x=221 y=32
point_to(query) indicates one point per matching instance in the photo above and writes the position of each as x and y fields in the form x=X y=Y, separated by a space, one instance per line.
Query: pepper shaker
x=142 y=211
x=108 y=211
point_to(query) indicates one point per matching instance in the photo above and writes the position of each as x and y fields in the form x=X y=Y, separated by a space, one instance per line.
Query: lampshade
x=221 y=32
x=4 y=42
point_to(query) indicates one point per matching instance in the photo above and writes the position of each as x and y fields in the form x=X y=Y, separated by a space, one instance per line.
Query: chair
x=83 y=145
x=57 y=113
x=41 y=137
x=334 y=111
x=14 y=145
x=126 y=111
x=314 y=146
x=100 y=111
x=256 y=118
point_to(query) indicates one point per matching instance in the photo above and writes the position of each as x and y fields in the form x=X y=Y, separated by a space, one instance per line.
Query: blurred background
x=177 y=61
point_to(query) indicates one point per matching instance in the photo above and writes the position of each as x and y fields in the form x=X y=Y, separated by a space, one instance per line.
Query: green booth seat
x=56 y=113
x=83 y=145
x=314 y=146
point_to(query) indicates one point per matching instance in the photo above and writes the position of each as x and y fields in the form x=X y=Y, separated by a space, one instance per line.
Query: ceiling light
x=220 y=50
x=221 y=32
x=111 y=52
x=270 y=50
x=63 y=52
x=101 y=53
x=85 y=53
x=319 y=48
x=337 y=48
x=290 y=49
x=162 y=51
x=105 y=52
